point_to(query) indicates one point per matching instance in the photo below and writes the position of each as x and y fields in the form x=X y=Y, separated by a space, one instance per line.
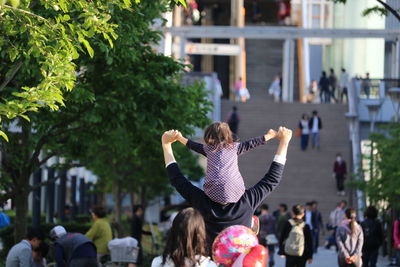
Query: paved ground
x=326 y=258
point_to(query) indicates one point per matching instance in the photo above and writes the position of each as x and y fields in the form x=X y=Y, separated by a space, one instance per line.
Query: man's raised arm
x=271 y=180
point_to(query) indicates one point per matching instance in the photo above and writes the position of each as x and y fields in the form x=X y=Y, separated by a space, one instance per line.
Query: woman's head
x=217 y=134
x=304 y=116
x=187 y=238
x=371 y=213
x=98 y=212
x=351 y=215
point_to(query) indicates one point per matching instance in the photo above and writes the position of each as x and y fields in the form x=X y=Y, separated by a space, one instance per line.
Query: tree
x=128 y=91
x=381 y=8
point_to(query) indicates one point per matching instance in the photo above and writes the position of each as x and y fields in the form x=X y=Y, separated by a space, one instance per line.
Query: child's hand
x=284 y=134
x=270 y=135
x=169 y=136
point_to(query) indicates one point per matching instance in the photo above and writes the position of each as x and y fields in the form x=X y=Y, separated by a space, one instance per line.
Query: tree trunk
x=21 y=213
x=117 y=206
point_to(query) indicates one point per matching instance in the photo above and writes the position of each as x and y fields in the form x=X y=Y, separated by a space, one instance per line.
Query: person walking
x=275 y=88
x=396 y=239
x=236 y=88
x=282 y=216
x=344 y=85
x=373 y=237
x=333 y=84
x=350 y=240
x=20 y=255
x=137 y=230
x=186 y=243
x=233 y=120
x=296 y=242
x=315 y=125
x=324 y=88
x=335 y=217
x=317 y=223
x=267 y=236
x=72 y=249
x=100 y=232
x=305 y=131
x=340 y=172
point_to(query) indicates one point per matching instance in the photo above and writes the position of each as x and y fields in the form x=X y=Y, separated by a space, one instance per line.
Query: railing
x=374 y=88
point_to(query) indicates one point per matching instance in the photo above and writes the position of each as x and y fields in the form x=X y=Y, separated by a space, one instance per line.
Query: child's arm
x=254 y=142
x=197 y=147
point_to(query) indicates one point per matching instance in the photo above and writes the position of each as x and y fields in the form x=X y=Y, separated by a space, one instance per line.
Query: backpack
x=294 y=244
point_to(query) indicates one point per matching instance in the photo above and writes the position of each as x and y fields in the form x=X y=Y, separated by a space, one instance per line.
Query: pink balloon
x=257 y=257
x=232 y=242
x=239 y=261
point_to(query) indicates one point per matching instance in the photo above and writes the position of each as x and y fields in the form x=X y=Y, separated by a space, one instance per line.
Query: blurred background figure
x=267 y=236
x=373 y=237
x=233 y=120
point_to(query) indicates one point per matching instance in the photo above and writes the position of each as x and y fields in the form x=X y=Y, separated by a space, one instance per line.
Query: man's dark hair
x=99 y=211
x=284 y=206
x=43 y=249
x=234 y=108
x=324 y=73
x=264 y=207
x=34 y=233
x=315 y=112
x=137 y=207
x=343 y=69
x=309 y=203
x=371 y=212
x=298 y=210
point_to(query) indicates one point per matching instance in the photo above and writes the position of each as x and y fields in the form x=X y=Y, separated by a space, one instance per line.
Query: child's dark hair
x=218 y=134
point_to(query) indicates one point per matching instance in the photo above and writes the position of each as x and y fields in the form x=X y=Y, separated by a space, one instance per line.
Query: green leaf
x=2 y=134
x=14 y=3
x=25 y=117
x=88 y=47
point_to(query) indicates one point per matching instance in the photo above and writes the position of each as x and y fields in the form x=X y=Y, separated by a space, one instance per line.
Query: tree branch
x=24 y=11
x=11 y=76
x=394 y=12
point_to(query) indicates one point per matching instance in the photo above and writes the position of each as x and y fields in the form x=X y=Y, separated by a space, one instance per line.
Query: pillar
x=288 y=70
x=36 y=196
x=62 y=187
x=82 y=196
x=50 y=192
x=74 y=208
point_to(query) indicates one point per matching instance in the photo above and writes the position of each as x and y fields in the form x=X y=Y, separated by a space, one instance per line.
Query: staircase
x=308 y=174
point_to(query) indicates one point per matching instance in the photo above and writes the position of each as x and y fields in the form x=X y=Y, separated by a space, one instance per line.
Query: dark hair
x=234 y=108
x=309 y=203
x=332 y=70
x=304 y=116
x=315 y=112
x=298 y=210
x=136 y=208
x=338 y=155
x=352 y=215
x=323 y=73
x=34 y=233
x=218 y=134
x=343 y=69
x=187 y=238
x=283 y=205
x=371 y=212
x=43 y=249
x=99 y=211
x=264 y=207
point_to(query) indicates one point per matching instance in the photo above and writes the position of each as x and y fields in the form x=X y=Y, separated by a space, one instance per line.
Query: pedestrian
x=396 y=239
x=220 y=216
x=315 y=125
x=283 y=12
x=344 y=85
x=366 y=85
x=39 y=255
x=20 y=255
x=282 y=216
x=373 y=237
x=350 y=240
x=324 y=88
x=72 y=249
x=304 y=132
x=275 y=88
x=100 y=232
x=333 y=84
x=296 y=242
x=234 y=120
x=223 y=182
x=186 y=243
x=236 y=88
x=308 y=216
x=137 y=230
x=255 y=12
x=318 y=225
x=335 y=217
x=267 y=236
x=340 y=172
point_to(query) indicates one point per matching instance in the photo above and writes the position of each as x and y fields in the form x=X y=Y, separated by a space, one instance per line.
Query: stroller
x=122 y=251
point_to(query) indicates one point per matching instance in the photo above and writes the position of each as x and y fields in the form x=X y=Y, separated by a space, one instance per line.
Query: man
x=323 y=84
x=317 y=223
x=282 y=216
x=308 y=215
x=296 y=242
x=340 y=172
x=333 y=83
x=267 y=236
x=233 y=120
x=315 y=125
x=336 y=217
x=72 y=249
x=137 y=229
x=344 y=85
x=20 y=255
x=220 y=216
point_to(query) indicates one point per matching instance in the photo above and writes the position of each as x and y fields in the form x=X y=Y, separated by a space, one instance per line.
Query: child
x=223 y=182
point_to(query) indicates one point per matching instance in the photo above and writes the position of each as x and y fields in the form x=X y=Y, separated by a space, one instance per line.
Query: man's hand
x=270 y=134
x=284 y=134
x=309 y=261
x=169 y=137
